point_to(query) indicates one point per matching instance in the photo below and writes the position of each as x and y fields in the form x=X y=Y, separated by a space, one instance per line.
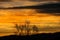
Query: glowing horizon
x=8 y=18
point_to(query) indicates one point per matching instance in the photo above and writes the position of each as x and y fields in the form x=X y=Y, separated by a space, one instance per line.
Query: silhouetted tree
x=22 y=28
x=35 y=28
x=28 y=27
x=17 y=27
x=28 y=30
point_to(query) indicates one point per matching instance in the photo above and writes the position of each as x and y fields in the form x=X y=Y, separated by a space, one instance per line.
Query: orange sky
x=9 y=17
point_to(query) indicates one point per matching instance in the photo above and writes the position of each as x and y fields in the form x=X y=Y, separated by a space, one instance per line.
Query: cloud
x=36 y=0
x=5 y=0
x=15 y=3
x=53 y=9
x=26 y=0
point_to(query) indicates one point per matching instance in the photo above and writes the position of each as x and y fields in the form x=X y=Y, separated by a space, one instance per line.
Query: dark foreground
x=44 y=36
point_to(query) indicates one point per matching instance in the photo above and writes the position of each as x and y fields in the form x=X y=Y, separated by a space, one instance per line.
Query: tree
x=23 y=28
x=17 y=27
x=35 y=28
x=28 y=27
x=28 y=30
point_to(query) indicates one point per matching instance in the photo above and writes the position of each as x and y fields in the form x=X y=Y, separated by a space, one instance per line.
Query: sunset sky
x=10 y=17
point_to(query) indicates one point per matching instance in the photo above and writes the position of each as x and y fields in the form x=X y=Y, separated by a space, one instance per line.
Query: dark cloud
x=21 y=0
x=5 y=0
x=49 y=8
x=49 y=11
x=53 y=9
x=42 y=0
x=35 y=0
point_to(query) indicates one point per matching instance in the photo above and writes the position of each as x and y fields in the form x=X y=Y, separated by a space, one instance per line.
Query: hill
x=43 y=36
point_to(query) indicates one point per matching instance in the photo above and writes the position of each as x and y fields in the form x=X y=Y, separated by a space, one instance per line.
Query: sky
x=13 y=3
x=10 y=17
